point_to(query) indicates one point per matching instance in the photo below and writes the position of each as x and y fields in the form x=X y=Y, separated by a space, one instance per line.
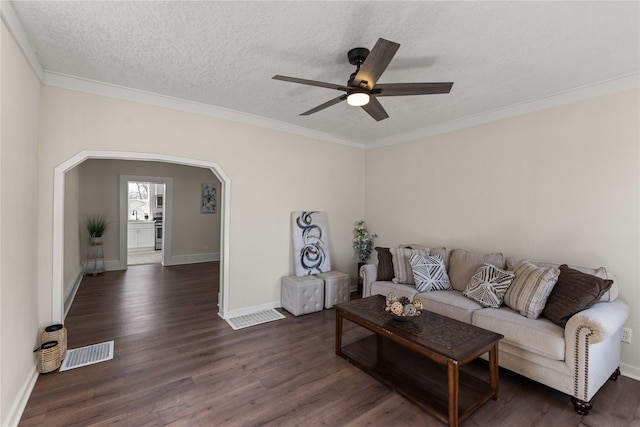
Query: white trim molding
x=93 y=87
x=20 y=402
x=630 y=371
x=14 y=25
x=567 y=97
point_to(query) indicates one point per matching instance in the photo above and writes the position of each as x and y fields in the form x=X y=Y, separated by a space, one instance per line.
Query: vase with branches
x=362 y=241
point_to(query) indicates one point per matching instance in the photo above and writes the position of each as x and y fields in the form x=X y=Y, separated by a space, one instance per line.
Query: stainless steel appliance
x=158 y=223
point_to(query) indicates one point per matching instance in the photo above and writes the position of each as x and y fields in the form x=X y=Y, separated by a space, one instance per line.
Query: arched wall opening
x=57 y=294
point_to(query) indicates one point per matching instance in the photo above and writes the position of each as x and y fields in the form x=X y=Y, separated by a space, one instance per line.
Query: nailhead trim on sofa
x=586 y=362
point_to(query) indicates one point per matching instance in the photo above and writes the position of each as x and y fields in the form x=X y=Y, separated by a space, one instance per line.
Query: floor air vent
x=89 y=355
x=253 y=319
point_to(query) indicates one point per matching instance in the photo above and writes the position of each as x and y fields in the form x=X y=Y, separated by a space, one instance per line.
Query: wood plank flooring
x=176 y=363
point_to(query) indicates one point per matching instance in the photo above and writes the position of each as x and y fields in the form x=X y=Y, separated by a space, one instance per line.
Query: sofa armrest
x=603 y=320
x=369 y=273
x=593 y=346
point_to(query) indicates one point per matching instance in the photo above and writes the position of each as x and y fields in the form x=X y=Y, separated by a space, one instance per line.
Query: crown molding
x=65 y=81
x=567 y=97
x=16 y=29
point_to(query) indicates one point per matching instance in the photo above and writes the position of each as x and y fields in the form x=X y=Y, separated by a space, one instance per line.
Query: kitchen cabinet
x=141 y=235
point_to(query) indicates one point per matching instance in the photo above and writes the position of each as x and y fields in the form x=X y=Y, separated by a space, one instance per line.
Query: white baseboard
x=71 y=294
x=630 y=371
x=115 y=265
x=192 y=258
x=248 y=310
x=20 y=402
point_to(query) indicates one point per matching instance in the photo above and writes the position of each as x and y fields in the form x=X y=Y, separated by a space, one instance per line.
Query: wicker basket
x=56 y=333
x=49 y=356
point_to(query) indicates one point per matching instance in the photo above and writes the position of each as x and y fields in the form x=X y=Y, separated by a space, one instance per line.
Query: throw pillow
x=530 y=288
x=574 y=292
x=429 y=273
x=463 y=265
x=401 y=267
x=489 y=285
x=385 y=265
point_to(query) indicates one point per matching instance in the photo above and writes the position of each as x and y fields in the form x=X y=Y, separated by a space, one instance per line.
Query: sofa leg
x=581 y=406
x=615 y=374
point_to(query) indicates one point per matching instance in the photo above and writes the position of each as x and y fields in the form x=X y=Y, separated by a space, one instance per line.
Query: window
x=138 y=200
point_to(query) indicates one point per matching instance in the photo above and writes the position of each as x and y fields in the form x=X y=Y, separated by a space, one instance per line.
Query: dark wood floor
x=177 y=363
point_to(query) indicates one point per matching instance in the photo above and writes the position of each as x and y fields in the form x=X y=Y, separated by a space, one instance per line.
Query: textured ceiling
x=223 y=54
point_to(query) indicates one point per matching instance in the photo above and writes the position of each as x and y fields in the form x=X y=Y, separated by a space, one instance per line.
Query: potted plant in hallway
x=96 y=226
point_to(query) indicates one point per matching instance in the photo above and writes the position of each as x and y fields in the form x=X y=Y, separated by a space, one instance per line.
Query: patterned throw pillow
x=401 y=266
x=488 y=285
x=429 y=273
x=531 y=288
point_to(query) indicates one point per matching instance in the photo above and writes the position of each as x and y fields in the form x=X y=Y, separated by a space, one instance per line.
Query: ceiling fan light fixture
x=358 y=99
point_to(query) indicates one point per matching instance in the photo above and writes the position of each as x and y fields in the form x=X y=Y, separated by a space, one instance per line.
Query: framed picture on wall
x=209 y=200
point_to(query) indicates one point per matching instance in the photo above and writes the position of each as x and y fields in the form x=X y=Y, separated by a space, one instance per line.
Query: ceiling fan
x=361 y=89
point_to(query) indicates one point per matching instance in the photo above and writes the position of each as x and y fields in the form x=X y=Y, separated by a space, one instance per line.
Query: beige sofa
x=576 y=360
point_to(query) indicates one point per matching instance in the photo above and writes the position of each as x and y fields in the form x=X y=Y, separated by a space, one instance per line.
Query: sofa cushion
x=463 y=265
x=600 y=272
x=385 y=288
x=530 y=288
x=385 y=264
x=540 y=336
x=489 y=285
x=403 y=273
x=429 y=273
x=449 y=303
x=575 y=291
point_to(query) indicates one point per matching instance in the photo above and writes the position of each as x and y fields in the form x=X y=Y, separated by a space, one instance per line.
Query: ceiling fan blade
x=402 y=89
x=375 y=110
x=334 y=101
x=311 y=82
x=375 y=64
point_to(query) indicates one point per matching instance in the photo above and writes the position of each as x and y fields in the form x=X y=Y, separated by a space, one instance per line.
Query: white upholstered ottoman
x=302 y=295
x=336 y=287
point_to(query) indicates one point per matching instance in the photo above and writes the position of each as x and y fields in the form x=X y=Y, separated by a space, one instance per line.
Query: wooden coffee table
x=422 y=359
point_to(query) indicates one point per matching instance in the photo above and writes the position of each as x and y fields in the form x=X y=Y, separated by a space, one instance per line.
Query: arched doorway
x=57 y=297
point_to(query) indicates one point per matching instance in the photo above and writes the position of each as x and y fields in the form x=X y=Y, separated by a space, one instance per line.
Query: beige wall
x=559 y=185
x=192 y=230
x=272 y=173
x=20 y=98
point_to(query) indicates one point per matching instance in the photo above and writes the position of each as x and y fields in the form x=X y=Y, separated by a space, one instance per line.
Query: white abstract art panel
x=310 y=243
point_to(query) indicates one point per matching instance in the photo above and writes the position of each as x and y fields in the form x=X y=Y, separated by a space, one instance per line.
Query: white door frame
x=167 y=215
x=57 y=294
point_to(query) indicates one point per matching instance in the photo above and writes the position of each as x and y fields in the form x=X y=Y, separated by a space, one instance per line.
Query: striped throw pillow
x=530 y=289
x=489 y=285
x=429 y=273
x=401 y=266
